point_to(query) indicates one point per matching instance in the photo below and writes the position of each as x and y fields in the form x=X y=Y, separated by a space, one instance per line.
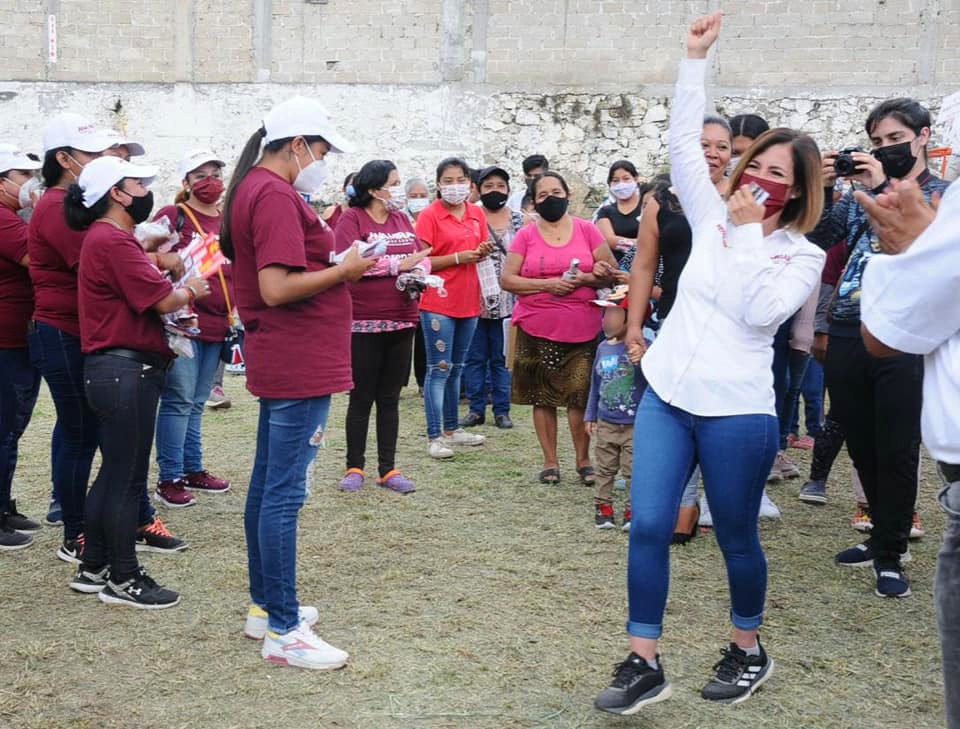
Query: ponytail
x=181 y=197
x=248 y=158
x=79 y=216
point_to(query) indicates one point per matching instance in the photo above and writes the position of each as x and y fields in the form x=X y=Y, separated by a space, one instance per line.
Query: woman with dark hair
x=121 y=296
x=745 y=128
x=384 y=320
x=296 y=312
x=331 y=216
x=619 y=221
x=550 y=269
x=710 y=396
x=456 y=231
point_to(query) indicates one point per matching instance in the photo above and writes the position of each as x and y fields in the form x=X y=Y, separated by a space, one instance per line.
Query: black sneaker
x=89 y=581
x=891 y=581
x=11 y=539
x=155 y=537
x=634 y=686
x=18 y=522
x=140 y=591
x=54 y=515
x=472 y=419
x=862 y=555
x=71 y=550
x=737 y=676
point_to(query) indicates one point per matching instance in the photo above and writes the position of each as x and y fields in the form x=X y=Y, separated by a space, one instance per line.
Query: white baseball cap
x=135 y=148
x=101 y=174
x=13 y=158
x=302 y=117
x=198 y=158
x=73 y=130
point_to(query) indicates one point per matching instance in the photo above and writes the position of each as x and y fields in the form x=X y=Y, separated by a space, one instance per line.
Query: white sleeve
x=689 y=173
x=911 y=301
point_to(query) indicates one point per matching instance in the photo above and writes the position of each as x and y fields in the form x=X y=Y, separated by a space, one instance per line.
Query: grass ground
x=483 y=601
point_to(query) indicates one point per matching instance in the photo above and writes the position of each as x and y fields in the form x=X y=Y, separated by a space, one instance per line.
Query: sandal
x=550 y=476
x=686 y=528
x=587 y=477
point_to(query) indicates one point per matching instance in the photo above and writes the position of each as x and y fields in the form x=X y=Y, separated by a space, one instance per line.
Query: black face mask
x=493 y=200
x=140 y=207
x=552 y=208
x=897 y=159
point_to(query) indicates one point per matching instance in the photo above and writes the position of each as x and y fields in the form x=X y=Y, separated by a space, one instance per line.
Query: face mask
x=552 y=208
x=140 y=207
x=418 y=204
x=455 y=194
x=778 y=191
x=493 y=201
x=897 y=159
x=27 y=189
x=397 y=200
x=732 y=165
x=208 y=190
x=623 y=190
x=311 y=177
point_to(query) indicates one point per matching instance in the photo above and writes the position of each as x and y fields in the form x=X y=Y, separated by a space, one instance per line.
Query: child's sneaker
x=604 y=518
x=861 y=519
x=140 y=591
x=302 y=648
x=90 y=582
x=635 y=685
x=627 y=518
x=768 y=509
x=256 y=625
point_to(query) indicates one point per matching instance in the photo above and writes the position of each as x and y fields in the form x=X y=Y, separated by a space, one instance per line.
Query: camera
x=844 y=164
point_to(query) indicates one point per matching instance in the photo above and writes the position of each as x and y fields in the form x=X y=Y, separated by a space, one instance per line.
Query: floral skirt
x=551 y=374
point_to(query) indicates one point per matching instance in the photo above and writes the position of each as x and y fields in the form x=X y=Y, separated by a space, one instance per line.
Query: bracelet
x=456 y=258
x=193 y=292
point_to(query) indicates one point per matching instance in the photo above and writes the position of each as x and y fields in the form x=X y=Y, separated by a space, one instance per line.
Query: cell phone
x=759 y=194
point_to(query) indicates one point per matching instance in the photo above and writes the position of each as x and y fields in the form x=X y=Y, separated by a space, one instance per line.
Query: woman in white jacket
x=710 y=398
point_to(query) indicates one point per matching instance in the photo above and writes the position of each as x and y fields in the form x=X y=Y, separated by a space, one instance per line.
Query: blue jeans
x=735 y=454
x=796 y=368
x=812 y=390
x=447 y=340
x=181 y=411
x=19 y=385
x=288 y=435
x=486 y=367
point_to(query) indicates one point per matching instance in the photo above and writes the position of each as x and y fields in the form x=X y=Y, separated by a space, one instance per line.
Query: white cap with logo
x=135 y=148
x=198 y=158
x=14 y=158
x=104 y=172
x=73 y=130
x=303 y=117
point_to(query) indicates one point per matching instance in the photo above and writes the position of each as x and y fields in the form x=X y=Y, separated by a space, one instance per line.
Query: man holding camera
x=876 y=400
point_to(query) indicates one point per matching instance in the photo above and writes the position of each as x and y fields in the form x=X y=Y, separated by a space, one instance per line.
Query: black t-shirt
x=624 y=226
x=675 y=243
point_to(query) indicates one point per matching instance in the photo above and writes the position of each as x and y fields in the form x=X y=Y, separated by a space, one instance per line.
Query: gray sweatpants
x=947 y=591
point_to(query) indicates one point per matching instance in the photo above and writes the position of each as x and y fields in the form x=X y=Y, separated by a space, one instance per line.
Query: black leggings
x=381 y=366
x=124 y=395
x=826 y=448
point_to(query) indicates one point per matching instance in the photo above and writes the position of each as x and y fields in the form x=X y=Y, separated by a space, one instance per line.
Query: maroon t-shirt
x=54 y=251
x=301 y=349
x=376 y=297
x=16 y=291
x=117 y=289
x=211 y=310
x=836 y=260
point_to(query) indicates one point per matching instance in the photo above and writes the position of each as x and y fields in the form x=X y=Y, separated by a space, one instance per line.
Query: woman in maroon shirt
x=384 y=320
x=296 y=312
x=179 y=451
x=19 y=378
x=121 y=295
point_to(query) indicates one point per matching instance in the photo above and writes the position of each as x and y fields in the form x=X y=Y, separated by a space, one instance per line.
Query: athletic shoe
x=861 y=519
x=54 y=515
x=738 y=675
x=705 y=520
x=396 y=481
x=603 y=516
x=768 y=509
x=803 y=443
x=174 y=494
x=236 y=369
x=155 y=537
x=787 y=468
x=916 y=528
x=635 y=685
x=438 y=449
x=472 y=419
x=207 y=482
x=814 y=492
x=302 y=648
x=90 y=582
x=460 y=437
x=503 y=422
x=71 y=550
x=18 y=522
x=256 y=625
x=627 y=518
x=862 y=555
x=353 y=480
x=140 y=591
x=10 y=539
x=891 y=581
x=218 y=399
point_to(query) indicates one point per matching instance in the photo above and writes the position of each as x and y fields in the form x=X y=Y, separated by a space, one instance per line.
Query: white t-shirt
x=911 y=302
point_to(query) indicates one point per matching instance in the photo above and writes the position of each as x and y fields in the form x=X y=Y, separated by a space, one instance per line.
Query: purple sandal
x=396 y=481
x=353 y=481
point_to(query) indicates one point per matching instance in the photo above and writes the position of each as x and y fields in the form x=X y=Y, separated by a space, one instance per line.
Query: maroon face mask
x=778 y=191
x=208 y=190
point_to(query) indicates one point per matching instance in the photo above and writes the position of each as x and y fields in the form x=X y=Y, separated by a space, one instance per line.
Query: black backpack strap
x=181 y=220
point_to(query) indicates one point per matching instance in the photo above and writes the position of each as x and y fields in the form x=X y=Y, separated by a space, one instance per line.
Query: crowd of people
x=679 y=329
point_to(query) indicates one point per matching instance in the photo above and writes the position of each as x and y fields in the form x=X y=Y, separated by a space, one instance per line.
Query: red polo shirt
x=447 y=235
x=16 y=292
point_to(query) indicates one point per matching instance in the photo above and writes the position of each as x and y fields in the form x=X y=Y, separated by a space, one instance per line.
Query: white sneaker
x=705 y=519
x=438 y=449
x=255 y=626
x=768 y=509
x=463 y=438
x=302 y=648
